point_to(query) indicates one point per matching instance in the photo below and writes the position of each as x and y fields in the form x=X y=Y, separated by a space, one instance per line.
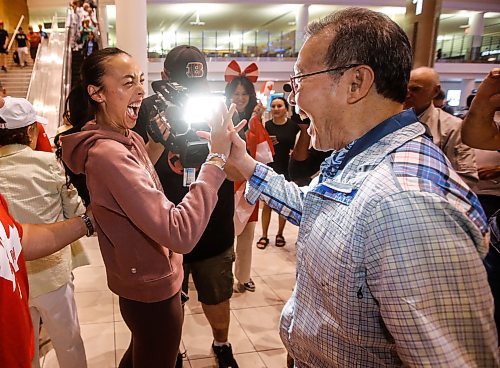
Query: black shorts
x=212 y=277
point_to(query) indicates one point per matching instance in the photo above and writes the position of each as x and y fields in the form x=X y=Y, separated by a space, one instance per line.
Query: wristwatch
x=216 y=159
x=88 y=224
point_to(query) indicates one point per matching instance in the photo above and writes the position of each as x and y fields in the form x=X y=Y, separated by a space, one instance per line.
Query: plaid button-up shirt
x=389 y=269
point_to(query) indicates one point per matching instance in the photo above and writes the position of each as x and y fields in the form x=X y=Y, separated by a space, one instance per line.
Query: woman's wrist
x=216 y=159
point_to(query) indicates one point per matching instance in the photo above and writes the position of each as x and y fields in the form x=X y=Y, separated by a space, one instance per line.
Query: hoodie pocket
x=161 y=269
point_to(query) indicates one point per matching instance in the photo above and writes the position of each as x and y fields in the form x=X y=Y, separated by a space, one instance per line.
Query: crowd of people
x=397 y=261
x=26 y=45
x=84 y=36
x=84 y=27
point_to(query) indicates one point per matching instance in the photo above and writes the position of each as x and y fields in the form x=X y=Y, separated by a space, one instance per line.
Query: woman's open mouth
x=133 y=110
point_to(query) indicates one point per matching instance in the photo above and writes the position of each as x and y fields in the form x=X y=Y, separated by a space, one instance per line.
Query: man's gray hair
x=370 y=38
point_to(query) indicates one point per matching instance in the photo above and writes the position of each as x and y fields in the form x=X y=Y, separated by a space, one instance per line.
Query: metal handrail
x=16 y=30
x=66 y=81
x=46 y=89
x=468 y=48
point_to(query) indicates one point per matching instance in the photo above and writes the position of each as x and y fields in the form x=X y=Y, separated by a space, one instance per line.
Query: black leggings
x=156 y=332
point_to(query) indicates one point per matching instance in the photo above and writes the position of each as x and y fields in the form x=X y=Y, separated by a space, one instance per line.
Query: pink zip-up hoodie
x=140 y=231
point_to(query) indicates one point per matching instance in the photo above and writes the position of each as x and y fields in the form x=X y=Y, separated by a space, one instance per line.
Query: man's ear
x=32 y=131
x=436 y=91
x=95 y=93
x=361 y=80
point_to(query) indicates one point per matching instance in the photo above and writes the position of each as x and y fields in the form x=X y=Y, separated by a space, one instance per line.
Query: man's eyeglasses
x=294 y=78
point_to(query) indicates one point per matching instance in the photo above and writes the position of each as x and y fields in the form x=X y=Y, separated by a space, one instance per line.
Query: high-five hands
x=224 y=138
x=221 y=129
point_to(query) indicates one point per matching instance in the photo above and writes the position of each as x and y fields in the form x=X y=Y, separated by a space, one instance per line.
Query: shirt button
x=133 y=270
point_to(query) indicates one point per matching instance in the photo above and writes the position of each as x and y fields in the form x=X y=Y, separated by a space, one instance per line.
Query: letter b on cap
x=195 y=70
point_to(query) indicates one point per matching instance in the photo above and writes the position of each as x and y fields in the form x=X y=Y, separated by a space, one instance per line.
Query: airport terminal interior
x=463 y=45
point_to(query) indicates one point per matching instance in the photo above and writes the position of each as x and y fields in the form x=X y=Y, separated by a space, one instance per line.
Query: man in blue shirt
x=389 y=269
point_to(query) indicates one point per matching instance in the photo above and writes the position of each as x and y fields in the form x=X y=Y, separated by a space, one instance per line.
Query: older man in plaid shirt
x=389 y=269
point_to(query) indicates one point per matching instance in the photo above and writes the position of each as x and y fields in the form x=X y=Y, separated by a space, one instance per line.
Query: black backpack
x=15 y=56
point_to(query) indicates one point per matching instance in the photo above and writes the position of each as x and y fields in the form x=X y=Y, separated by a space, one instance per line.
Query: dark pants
x=156 y=332
x=33 y=51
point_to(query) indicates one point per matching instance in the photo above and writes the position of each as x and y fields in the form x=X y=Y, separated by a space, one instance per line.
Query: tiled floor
x=254 y=316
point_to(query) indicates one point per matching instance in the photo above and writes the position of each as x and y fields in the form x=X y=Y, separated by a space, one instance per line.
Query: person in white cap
x=35 y=189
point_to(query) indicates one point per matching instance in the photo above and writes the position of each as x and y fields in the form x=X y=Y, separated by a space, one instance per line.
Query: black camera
x=171 y=99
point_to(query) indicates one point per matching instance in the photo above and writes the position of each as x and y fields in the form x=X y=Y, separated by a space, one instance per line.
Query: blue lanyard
x=388 y=126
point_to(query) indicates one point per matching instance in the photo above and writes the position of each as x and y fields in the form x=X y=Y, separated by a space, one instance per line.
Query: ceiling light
x=489 y=15
x=392 y=10
x=444 y=38
x=197 y=22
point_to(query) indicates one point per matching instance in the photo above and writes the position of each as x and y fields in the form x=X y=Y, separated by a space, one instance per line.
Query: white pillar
x=475 y=31
x=467 y=86
x=103 y=25
x=131 y=31
x=301 y=21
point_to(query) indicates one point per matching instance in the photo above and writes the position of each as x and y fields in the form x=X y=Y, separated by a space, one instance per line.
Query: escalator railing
x=48 y=85
x=52 y=76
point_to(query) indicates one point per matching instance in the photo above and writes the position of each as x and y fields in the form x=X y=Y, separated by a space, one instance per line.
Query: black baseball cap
x=187 y=66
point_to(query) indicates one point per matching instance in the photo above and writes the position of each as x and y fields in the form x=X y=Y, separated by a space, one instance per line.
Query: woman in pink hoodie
x=141 y=233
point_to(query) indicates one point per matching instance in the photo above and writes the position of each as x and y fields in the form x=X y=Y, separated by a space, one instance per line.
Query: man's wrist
x=247 y=167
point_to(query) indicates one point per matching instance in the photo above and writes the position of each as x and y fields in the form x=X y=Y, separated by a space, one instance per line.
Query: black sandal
x=263 y=243
x=280 y=241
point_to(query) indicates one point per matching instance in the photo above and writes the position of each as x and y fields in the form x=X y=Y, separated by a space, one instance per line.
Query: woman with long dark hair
x=141 y=233
x=76 y=114
x=241 y=92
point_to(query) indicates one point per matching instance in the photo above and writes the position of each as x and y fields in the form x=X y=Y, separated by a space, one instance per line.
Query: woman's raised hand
x=224 y=138
x=258 y=109
x=221 y=128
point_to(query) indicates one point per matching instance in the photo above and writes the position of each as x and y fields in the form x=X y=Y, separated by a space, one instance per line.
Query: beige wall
x=11 y=11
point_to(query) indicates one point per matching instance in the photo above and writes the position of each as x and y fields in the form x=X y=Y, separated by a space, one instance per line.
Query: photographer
x=210 y=262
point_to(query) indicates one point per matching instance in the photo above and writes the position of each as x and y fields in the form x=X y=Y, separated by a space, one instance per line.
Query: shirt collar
x=339 y=159
x=12 y=149
x=426 y=114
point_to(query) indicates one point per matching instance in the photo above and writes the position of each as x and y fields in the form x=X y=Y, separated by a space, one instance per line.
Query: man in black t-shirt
x=22 y=47
x=210 y=262
x=4 y=42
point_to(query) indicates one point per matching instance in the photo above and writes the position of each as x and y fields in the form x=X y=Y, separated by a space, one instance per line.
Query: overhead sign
x=420 y=4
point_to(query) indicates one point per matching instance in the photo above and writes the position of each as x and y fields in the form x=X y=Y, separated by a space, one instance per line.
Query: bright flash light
x=200 y=109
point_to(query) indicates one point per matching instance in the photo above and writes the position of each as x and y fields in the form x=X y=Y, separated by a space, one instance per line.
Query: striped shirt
x=389 y=269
